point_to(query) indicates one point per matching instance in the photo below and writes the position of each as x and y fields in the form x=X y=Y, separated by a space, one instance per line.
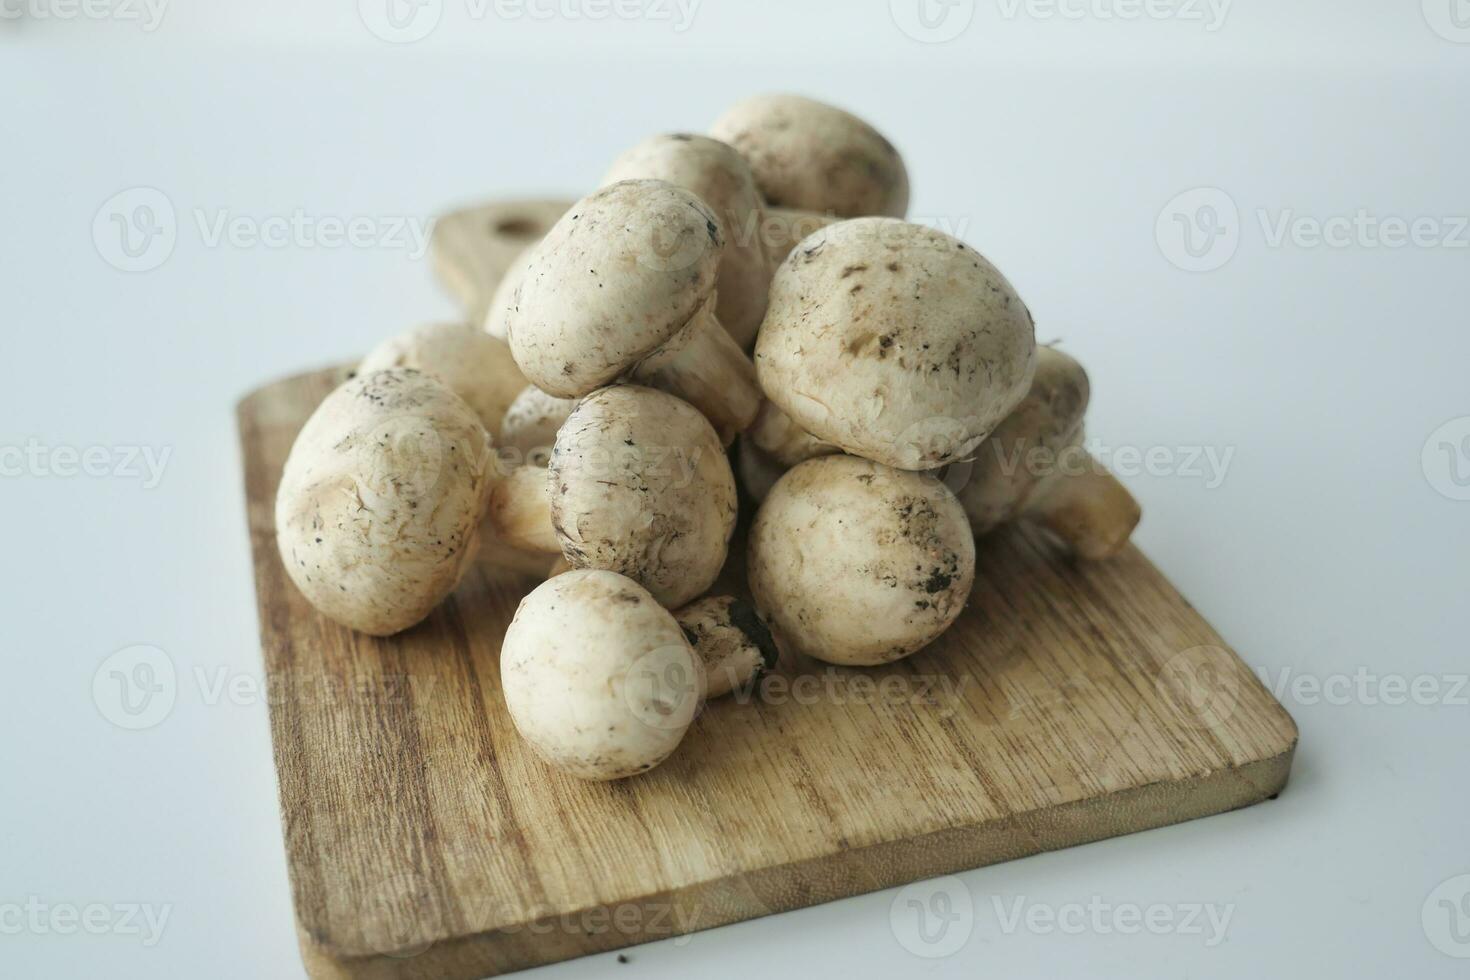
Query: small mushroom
x=504 y=296
x=895 y=342
x=1034 y=467
x=784 y=228
x=638 y=484
x=599 y=678
x=858 y=564
x=377 y=509
x=810 y=155
x=476 y=367
x=530 y=426
x=722 y=179
x=472 y=248
x=731 y=641
x=624 y=285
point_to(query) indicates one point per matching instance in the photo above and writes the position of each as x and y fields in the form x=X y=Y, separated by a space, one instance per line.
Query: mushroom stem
x=1087 y=508
x=785 y=442
x=707 y=369
x=520 y=511
x=731 y=642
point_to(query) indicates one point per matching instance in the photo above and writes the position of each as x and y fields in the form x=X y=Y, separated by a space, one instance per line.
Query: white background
x=1333 y=545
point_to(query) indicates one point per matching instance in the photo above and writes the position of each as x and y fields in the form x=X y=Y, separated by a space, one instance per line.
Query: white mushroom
x=624 y=285
x=720 y=177
x=472 y=248
x=599 y=678
x=378 y=505
x=810 y=155
x=731 y=642
x=530 y=427
x=1034 y=467
x=858 y=564
x=895 y=342
x=638 y=484
x=476 y=367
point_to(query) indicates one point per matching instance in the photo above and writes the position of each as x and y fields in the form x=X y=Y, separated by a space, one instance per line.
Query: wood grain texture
x=1070 y=703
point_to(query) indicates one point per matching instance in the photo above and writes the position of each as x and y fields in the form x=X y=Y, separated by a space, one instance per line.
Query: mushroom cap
x=472 y=364
x=895 y=342
x=530 y=426
x=498 y=307
x=1022 y=452
x=722 y=179
x=810 y=155
x=856 y=563
x=620 y=275
x=598 y=677
x=380 y=499
x=641 y=486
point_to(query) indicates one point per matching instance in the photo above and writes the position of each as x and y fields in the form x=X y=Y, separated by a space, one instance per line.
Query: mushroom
x=473 y=248
x=530 y=426
x=504 y=296
x=810 y=155
x=858 y=564
x=731 y=642
x=721 y=178
x=476 y=367
x=624 y=285
x=1034 y=467
x=784 y=228
x=895 y=342
x=377 y=509
x=638 y=484
x=599 y=678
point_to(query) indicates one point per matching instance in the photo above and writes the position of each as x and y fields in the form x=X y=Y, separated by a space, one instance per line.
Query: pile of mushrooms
x=754 y=291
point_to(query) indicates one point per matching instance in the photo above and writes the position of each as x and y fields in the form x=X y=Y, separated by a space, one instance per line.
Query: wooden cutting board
x=1071 y=702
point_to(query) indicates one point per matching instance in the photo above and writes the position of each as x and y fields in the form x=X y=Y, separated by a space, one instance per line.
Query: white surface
x=1053 y=144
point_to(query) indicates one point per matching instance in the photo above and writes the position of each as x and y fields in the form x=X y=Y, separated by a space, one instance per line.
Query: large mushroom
x=475 y=366
x=810 y=155
x=859 y=564
x=624 y=285
x=638 y=484
x=720 y=177
x=473 y=248
x=1034 y=467
x=377 y=509
x=894 y=342
x=598 y=676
